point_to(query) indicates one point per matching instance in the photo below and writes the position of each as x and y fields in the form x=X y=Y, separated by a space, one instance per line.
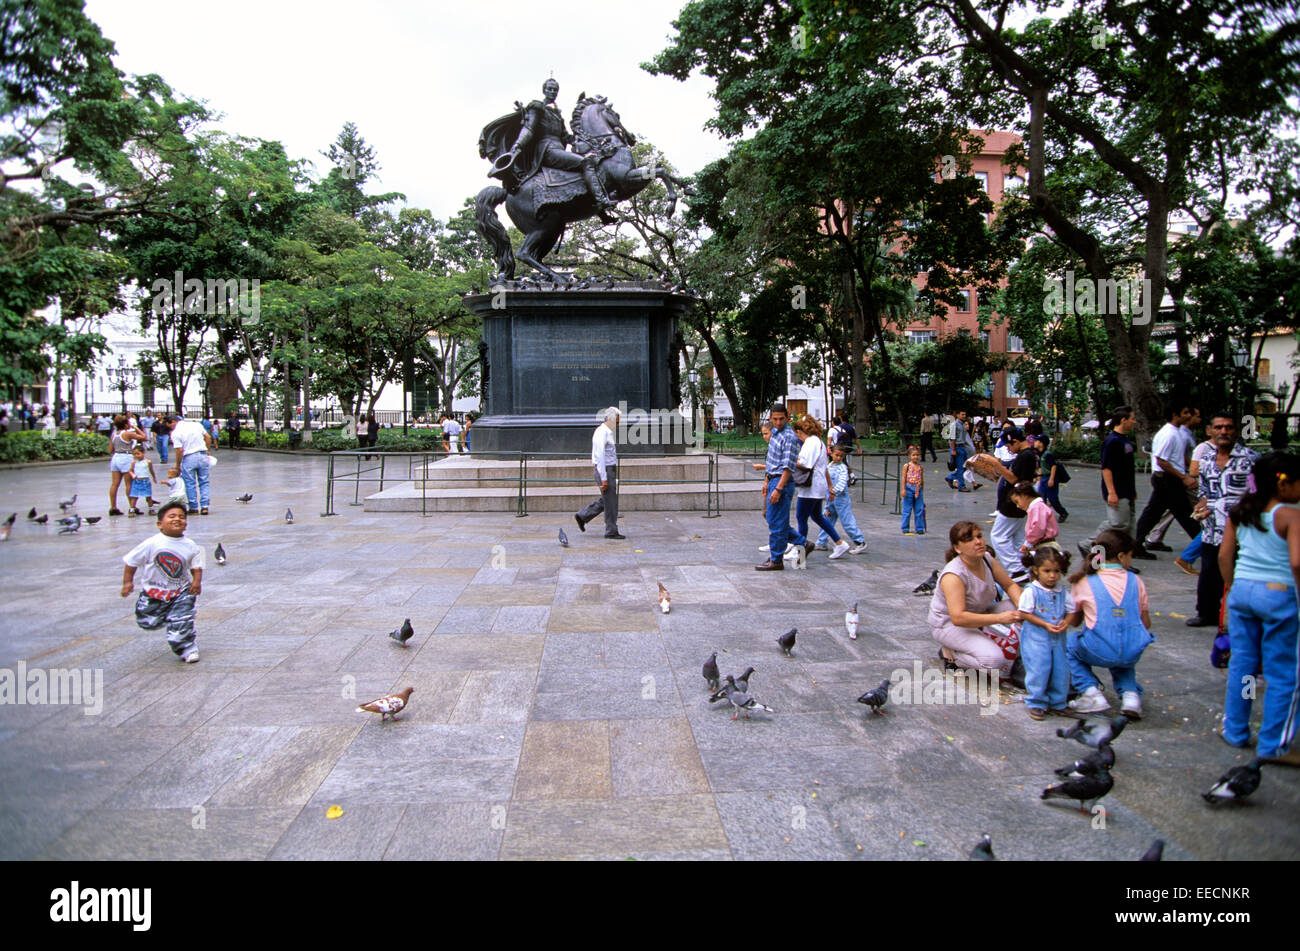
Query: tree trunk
x=726 y=380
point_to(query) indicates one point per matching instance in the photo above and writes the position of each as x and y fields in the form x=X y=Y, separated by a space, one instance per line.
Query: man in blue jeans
x=778 y=490
x=960 y=448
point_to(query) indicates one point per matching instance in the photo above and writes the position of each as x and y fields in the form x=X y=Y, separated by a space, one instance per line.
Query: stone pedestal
x=556 y=358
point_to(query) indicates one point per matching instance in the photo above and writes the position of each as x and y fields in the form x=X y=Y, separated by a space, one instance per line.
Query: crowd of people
x=1010 y=605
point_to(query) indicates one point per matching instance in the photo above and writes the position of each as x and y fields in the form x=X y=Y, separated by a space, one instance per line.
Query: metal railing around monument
x=375 y=468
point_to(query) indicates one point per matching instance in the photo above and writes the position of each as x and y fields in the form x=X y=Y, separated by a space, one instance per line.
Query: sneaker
x=1131 y=705
x=770 y=566
x=920 y=531
x=203 y=511
x=617 y=537
x=187 y=512
x=1155 y=546
x=1035 y=713
x=840 y=551
x=1186 y=566
x=858 y=549
x=191 y=656
x=1092 y=700
x=582 y=526
x=1291 y=758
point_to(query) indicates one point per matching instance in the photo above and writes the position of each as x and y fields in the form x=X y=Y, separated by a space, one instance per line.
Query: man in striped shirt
x=778 y=490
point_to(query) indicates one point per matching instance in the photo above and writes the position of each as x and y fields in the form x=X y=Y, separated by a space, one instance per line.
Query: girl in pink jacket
x=1040 y=519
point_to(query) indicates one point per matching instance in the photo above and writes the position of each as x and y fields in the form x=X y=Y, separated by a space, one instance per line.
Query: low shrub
x=36 y=446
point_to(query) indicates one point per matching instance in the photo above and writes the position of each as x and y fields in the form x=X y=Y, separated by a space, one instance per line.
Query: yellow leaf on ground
x=333 y=812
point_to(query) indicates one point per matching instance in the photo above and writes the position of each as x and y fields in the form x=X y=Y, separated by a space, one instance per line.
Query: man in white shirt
x=1170 y=481
x=451 y=430
x=604 y=457
x=191 y=443
x=1155 y=540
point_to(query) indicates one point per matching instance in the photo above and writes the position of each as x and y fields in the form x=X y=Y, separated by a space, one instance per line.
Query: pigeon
x=246 y=497
x=851 y=621
x=387 y=706
x=42 y=519
x=1084 y=788
x=564 y=539
x=1237 y=783
x=927 y=586
x=32 y=513
x=1095 y=732
x=725 y=690
x=92 y=519
x=70 y=525
x=219 y=556
x=1091 y=764
x=664 y=598
x=1154 y=853
x=983 y=851
x=711 y=670
x=65 y=504
x=288 y=516
x=743 y=701
x=403 y=633
x=7 y=527
x=743 y=680
x=786 y=641
x=877 y=698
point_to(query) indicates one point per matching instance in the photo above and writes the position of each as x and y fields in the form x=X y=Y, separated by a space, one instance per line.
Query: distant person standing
x=451 y=434
x=927 y=437
x=162 y=438
x=1170 y=480
x=232 y=429
x=1118 y=478
x=604 y=458
x=960 y=448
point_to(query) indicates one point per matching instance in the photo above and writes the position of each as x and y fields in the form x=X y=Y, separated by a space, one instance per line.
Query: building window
x=985 y=299
x=1013 y=385
x=964 y=305
x=1012 y=181
x=922 y=336
x=983 y=179
x=1015 y=344
x=984 y=338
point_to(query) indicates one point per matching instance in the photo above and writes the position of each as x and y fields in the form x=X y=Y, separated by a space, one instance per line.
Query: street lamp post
x=1239 y=356
x=1057 y=376
x=123 y=376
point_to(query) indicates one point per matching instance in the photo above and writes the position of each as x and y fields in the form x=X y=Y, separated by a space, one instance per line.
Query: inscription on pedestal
x=581 y=364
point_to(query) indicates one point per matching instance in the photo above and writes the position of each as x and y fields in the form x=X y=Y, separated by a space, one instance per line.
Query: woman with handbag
x=812 y=484
x=966 y=617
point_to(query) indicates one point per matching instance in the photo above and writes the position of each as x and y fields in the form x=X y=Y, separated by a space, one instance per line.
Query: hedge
x=36 y=446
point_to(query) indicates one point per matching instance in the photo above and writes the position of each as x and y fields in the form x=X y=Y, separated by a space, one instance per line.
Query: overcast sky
x=420 y=79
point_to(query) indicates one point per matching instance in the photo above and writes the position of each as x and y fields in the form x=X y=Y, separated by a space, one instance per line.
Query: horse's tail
x=490 y=227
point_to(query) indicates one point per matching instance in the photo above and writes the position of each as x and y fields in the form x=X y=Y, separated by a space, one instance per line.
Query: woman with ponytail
x=1260 y=561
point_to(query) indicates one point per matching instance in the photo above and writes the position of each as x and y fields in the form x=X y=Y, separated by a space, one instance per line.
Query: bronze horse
x=542 y=205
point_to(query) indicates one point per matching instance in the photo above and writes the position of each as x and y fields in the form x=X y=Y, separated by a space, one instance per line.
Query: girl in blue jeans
x=1045 y=606
x=1112 y=606
x=1260 y=561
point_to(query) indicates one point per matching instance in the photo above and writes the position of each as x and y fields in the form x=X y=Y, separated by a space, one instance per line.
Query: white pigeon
x=851 y=621
x=664 y=598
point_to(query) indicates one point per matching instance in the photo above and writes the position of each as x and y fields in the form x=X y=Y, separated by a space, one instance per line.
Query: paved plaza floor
x=557 y=712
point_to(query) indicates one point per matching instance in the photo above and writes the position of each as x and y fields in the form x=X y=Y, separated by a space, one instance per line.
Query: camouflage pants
x=177 y=614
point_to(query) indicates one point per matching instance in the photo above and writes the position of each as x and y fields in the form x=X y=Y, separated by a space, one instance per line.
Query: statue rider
x=544 y=129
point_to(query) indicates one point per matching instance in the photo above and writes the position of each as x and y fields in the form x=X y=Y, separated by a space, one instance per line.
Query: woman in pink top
x=1040 y=521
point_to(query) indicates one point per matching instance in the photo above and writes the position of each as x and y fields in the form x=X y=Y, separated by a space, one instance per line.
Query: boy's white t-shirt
x=164 y=564
x=176 y=490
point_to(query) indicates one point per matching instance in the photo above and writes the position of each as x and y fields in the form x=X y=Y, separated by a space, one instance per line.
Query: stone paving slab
x=557 y=713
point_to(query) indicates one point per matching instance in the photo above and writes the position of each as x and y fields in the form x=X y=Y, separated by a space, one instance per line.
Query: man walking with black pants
x=604 y=458
x=1169 y=479
x=927 y=437
x=1118 y=479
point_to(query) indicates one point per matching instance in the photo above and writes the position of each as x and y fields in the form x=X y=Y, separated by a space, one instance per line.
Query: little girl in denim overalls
x=1046 y=605
x=1119 y=632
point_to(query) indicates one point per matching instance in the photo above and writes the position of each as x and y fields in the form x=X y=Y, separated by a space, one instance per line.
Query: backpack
x=950 y=431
